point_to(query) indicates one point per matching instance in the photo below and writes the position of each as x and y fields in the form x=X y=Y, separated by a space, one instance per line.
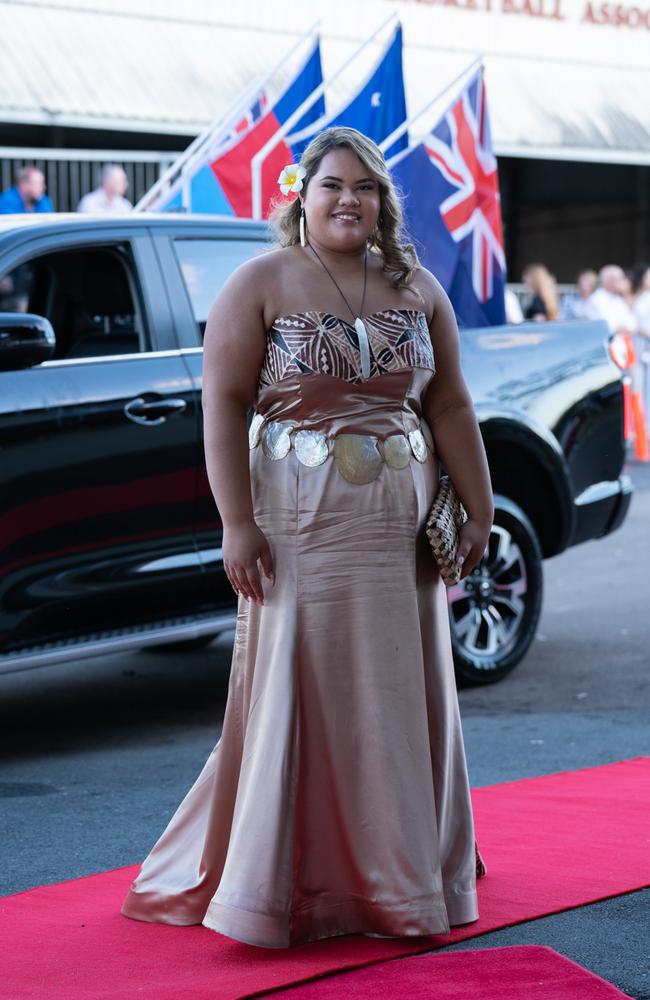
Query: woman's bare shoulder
x=269 y=263
x=442 y=320
x=257 y=277
x=429 y=288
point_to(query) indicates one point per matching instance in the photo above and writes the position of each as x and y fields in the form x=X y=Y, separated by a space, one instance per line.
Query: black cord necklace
x=362 y=333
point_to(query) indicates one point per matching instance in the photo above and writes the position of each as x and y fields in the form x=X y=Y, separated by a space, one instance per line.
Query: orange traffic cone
x=627 y=408
x=641 y=449
x=633 y=410
x=631 y=353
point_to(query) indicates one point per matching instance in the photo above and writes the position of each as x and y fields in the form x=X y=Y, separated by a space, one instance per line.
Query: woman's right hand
x=243 y=545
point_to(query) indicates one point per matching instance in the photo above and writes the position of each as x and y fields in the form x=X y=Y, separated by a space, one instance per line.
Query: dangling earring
x=303 y=239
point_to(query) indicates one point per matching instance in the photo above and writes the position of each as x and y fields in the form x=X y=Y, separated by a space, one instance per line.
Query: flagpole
x=401 y=129
x=260 y=156
x=212 y=134
x=234 y=118
x=230 y=117
x=225 y=123
x=199 y=141
x=271 y=74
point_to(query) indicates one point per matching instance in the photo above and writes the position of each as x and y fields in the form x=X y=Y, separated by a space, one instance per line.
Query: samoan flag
x=453 y=208
x=377 y=109
x=231 y=169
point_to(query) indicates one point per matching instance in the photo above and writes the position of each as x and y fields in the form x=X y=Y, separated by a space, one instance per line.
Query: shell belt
x=358 y=457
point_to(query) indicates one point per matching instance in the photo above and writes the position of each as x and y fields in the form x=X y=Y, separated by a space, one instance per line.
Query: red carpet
x=521 y=972
x=550 y=843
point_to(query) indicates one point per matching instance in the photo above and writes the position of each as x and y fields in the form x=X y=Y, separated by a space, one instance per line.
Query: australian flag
x=453 y=207
x=377 y=109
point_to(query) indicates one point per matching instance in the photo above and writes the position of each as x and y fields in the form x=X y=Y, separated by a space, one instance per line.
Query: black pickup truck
x=110 y=538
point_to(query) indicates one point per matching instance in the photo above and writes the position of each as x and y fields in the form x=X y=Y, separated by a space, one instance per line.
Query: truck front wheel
x=494 y=611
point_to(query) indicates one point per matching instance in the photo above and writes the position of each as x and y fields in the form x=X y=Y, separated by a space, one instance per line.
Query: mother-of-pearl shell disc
x=276 y=441
x=418 y=444
x=254 y=430
x=357 y=457
x=397 y=452
x=428 y=436
x=310 y=447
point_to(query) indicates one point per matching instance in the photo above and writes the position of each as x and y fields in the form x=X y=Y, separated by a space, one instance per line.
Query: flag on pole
x=232 y=167
x=253 y=115
x=453 y=207
x=173 y=190
x=377 y=109
x=262 y=178
x=190 y=184
x=205 y=193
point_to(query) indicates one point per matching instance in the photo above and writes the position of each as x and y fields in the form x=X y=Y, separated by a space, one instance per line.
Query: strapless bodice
x=311 y=375
x=318 y=343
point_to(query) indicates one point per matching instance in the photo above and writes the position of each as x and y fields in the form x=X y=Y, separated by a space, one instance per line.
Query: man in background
x=27 y=194
x=608 y=301
x=574 y=306
x=109 y=196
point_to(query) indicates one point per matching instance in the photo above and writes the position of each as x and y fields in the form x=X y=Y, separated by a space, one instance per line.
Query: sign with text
x=604 y=14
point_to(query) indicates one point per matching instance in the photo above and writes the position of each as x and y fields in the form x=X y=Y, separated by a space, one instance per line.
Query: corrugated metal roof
x=570 y=110
x=154 y=67
x=107 y=68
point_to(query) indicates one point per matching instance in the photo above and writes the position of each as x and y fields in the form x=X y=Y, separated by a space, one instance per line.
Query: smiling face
x=342 y=202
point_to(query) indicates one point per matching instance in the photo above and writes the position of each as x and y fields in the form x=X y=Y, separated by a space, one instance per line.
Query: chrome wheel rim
x=487 y=608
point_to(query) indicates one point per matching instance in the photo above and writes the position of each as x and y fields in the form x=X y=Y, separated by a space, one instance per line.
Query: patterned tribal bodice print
x=315 y=342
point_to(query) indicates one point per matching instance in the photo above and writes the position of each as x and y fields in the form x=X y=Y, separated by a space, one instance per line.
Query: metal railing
x=522 y=293
x=72 y=173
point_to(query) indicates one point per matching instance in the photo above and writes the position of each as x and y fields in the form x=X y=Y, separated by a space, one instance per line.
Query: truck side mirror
x=25 y=340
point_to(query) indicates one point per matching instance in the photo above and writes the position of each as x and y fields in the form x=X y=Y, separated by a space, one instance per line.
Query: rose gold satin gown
x=337 y=799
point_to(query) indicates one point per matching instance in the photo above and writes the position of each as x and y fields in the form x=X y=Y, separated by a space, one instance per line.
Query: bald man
x=608 y=301
x=109 y=196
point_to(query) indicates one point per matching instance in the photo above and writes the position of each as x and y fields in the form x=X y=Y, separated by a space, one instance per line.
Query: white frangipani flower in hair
x=291 y=177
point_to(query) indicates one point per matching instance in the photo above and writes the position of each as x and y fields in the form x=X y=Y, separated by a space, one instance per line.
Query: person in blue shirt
x=27 y=194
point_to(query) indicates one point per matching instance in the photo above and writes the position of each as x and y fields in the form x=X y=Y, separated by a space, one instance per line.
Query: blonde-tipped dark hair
x=400 y=258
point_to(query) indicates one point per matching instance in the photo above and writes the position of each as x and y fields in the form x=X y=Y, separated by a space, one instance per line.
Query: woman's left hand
x=473 y=538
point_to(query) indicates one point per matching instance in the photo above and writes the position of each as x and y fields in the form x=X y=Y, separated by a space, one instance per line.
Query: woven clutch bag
x=446 y=517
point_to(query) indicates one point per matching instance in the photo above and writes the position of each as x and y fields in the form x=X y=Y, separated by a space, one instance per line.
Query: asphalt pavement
x=95 y=755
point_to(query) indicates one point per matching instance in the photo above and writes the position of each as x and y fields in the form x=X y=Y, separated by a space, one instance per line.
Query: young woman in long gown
x=336 y=800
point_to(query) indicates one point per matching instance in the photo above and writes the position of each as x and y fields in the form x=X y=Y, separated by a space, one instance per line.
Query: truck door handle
x=153 y=411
